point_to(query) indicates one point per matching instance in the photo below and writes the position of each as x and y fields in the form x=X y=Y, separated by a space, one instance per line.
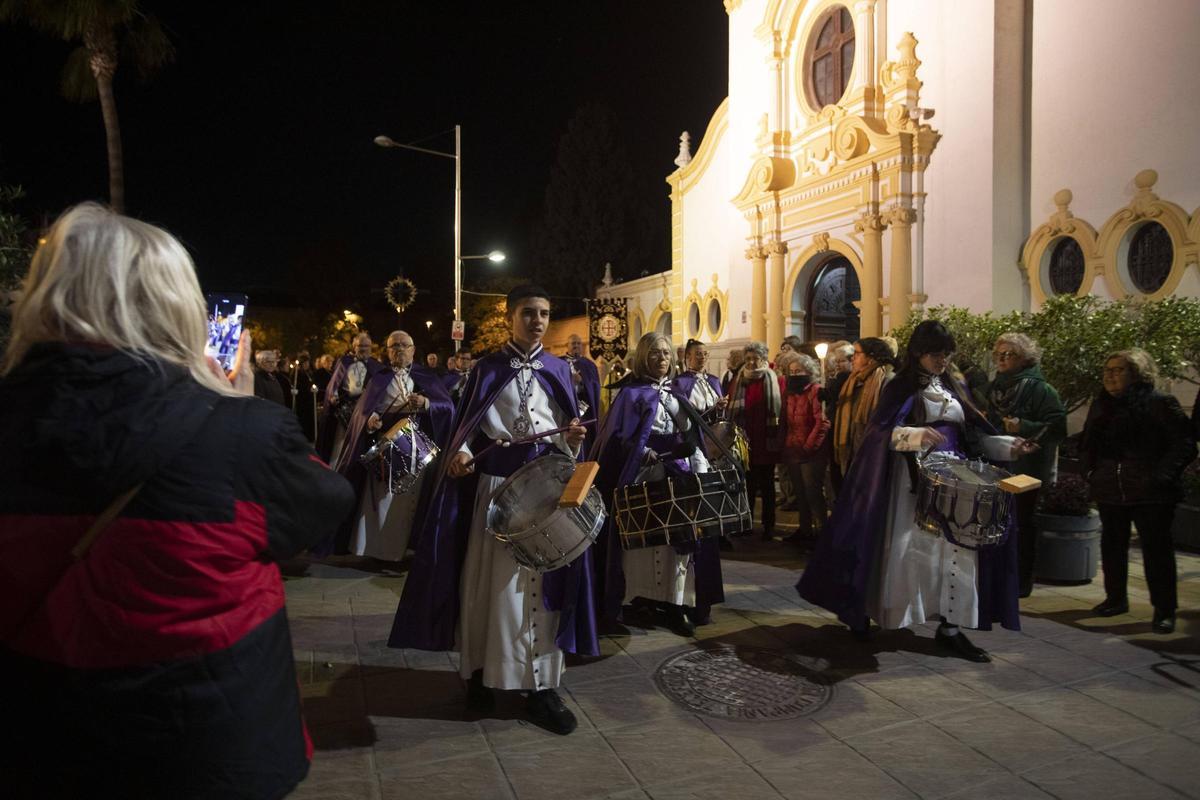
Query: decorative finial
x=608 y=278
x=685 y=150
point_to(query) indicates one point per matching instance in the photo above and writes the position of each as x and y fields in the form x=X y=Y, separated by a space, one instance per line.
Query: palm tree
x=105 y=31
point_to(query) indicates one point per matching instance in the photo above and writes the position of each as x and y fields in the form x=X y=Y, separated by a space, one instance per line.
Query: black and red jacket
x=161 y=664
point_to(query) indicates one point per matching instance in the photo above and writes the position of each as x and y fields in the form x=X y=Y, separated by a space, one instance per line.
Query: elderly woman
x=803 y=448
x=870 y=370
x=1136 y=444
x=652 y=432
x=146 y=505
x=1020 y=402
x=756 y=403
x=266 y=380
x=873 y=560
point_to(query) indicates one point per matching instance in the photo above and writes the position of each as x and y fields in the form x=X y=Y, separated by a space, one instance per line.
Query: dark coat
x=1135 y=447
x=805 y=422
x=161 y=663
x=1027 y=396
x=268 y=386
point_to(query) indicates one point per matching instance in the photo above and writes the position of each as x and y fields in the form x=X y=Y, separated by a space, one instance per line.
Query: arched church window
x=1066 y=266
x=1150 y=256
x=832 y=56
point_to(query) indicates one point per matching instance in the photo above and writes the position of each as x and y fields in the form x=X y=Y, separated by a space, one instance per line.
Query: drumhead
x=530 y=494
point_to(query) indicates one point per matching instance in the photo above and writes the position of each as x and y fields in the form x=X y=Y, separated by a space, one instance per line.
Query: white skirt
x=385 y=520
x=919 y=576
x=661 y=574
x=504 y=628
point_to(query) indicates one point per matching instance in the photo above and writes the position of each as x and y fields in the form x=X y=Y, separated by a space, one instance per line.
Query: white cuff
x=907 y=440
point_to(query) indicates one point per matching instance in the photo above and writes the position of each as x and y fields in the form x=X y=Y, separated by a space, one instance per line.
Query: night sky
x=255 y=146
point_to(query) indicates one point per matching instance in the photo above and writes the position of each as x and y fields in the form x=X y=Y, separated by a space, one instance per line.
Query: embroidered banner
x=609 y=329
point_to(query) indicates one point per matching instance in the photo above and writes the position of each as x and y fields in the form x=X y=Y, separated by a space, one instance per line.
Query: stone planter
x=1068 y=548
x=1185 y=530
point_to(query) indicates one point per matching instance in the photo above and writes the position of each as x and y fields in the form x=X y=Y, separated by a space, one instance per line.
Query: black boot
x=547 y=710
x=1164 y=622
x=480 y=698
x=1111 y=608
x=678 y=622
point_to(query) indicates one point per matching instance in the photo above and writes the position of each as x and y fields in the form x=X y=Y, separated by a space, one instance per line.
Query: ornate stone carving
x=775 y=248
x=685 y=150
x=607 y=280
x=821 y=241
x=755 y=253
x=870 y=222
x=774 y=174
x=900 y=215
x=894 y=74
x=1062 y=220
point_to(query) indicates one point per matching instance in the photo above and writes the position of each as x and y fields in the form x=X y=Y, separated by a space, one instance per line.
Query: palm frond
x=78 y=83
x=147 y=45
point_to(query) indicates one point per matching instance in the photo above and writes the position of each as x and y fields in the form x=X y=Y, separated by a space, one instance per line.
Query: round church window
x=831 y=57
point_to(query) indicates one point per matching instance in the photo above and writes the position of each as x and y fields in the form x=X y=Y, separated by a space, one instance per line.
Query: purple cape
x=324 y=446
x=837 y=575
x=620 y=447
x=427 y=616
x=686 y=381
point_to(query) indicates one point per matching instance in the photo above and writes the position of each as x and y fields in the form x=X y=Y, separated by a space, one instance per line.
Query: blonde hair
x=641 y=357
x=109 y=279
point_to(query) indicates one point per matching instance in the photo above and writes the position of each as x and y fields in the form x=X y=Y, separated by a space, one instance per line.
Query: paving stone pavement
x=1072 y=706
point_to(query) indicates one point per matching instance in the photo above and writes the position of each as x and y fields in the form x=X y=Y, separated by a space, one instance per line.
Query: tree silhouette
x=106 y=31
x=594 y=213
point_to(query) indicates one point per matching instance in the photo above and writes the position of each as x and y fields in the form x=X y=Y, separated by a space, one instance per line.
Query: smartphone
x=226 y=317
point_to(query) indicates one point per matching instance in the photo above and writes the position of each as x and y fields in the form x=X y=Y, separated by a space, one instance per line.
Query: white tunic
x=661 y=573
x=356 y=377
x=919 y=575
x=385 y=519
x=703 y=397
x=504 y=628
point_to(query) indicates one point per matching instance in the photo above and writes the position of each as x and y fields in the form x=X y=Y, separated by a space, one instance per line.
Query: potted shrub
x=1068 y=543
x=1186 y=528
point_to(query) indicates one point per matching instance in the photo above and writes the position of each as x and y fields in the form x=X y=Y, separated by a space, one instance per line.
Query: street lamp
x=387 y=141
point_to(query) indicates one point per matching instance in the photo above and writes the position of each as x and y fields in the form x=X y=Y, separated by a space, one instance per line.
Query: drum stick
x=527 y=439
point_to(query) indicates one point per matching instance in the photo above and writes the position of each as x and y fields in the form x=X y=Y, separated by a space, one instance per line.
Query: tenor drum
x=403 y=452
x=734 y=440
x=525 y=515
x=681 y=509
x=962 y=500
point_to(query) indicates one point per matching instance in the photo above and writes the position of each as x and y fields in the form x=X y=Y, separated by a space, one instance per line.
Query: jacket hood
x=96 y=420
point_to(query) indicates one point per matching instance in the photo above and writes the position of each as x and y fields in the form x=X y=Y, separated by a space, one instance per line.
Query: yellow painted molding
x=715 y=295
x=686 y=177
x=1102 y=252
x=832 y=248
x=768 y=175
x=732 y=6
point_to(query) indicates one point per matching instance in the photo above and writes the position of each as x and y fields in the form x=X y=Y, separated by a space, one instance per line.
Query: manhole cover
x=743 y=683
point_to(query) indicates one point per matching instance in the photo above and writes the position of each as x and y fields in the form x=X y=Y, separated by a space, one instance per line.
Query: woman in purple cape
x=873 y=561
x=653 y=432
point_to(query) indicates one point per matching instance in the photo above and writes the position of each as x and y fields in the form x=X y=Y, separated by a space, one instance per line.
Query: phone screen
x=226 y=316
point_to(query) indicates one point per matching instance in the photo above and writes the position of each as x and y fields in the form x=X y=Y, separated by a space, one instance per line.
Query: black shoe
x=1111 y=608
x=480 y=698
x=1163 y=622
x=678 y=623
x=547 y=710
x=1026 y=589
x=697 y=619
x=961 y=646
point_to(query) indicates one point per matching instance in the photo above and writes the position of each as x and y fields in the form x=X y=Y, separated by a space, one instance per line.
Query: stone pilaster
x=900 y=219
x=758 y=293
x=871 y=226
x=777 y=309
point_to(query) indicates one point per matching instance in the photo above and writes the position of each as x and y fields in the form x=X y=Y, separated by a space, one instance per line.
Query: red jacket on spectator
x=806 y=424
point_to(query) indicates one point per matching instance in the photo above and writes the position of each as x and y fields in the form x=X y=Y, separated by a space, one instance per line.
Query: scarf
x=855 y=406
x=737 y=403
x=1005 y=393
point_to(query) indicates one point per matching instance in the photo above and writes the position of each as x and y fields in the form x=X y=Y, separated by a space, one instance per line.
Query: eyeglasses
x=1115 y=370
x=1001 y=355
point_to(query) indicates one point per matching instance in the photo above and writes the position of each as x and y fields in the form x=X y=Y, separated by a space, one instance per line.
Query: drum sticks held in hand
x=528 y=439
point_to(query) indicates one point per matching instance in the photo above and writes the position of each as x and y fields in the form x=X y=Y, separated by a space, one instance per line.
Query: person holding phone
x=146 y=505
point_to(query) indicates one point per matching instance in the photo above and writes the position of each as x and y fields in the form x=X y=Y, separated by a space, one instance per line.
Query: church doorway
x=831 y=313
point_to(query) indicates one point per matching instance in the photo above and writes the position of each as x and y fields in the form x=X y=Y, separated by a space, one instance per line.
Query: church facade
x=876 y=157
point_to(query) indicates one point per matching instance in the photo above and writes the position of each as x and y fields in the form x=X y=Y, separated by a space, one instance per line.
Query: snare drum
x=525 y=515
x=404 y=452
x=961 y=500
x=681 y=509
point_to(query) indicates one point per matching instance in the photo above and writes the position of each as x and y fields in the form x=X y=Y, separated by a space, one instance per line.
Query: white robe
x=356 y=377
x=504 y=628
x=385 y=519
x=919 y=575
x=661 y=573
x=703 y=396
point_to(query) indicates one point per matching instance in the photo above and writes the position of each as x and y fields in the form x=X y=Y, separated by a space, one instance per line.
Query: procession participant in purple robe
x=384 y=522
x=702 y=390
x=455 y=381
x=465 y=591
x=872 y=561
x=648 y=429
x=587 y=386
x=349 y=378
